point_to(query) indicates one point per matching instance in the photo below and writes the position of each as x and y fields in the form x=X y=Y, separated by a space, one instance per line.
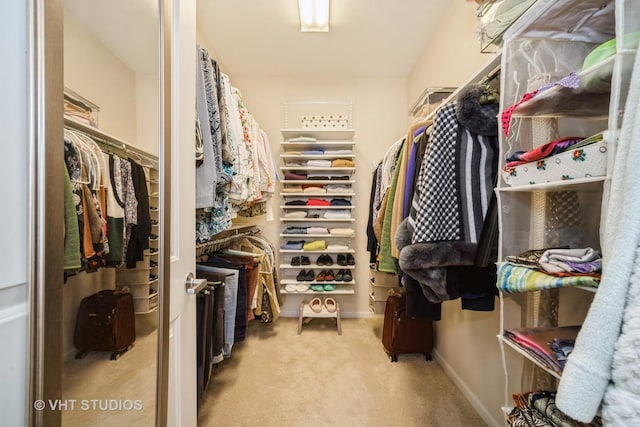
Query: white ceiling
x=366 y=38
x=374 y=38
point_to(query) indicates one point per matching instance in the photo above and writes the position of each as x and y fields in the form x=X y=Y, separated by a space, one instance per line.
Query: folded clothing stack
x=293 y=245
x=295 y=176
x=318 y=202
x=297 y=202
x=293 y=189
x=319 y=163
x=337 y=214
x=337 y=188
x=313 y=188
x=342 y=231
x=295 y=230
x=340 y=202
x=315 y=245
x=317 y=230
x=343 y=163
x=295 y=214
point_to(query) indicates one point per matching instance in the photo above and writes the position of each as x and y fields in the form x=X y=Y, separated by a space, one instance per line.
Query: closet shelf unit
x=301 y=145
x=539 y=49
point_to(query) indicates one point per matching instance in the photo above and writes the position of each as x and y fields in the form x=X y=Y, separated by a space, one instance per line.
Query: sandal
x=315 y=305
x=317 y=288
x=329 y=287
x=330 y=305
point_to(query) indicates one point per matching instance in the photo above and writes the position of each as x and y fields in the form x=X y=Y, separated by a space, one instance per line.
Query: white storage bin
x=378 y=292
x=142 y=305
x=388 y=280
x=137 y=290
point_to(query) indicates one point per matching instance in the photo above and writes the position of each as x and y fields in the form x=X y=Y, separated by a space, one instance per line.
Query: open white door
x=182 y=395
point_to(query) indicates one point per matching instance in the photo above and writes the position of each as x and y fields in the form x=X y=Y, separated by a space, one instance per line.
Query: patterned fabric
x=514 y=279
x=436 y=212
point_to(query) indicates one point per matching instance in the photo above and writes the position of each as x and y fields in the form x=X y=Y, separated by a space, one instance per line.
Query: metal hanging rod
x=111 y=141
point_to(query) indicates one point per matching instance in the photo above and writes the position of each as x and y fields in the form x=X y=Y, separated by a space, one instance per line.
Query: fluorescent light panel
x=314 y=15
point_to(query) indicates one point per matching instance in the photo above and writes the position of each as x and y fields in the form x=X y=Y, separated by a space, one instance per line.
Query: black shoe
x=342 y=260
x=328 y=260
x=302 y=276
x=346 y=277
x=153 y=264
x=152 y=277
x=295 y=260
x=340 y=276
x=322 y=260
x=351 y=260
x=304 y=260
x=311 y=276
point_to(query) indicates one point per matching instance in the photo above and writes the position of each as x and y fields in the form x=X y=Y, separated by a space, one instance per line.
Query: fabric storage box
x=325 y=122
x=141 y=305
x=377 y=306
x=139 y=290
x=388 y=280
x=379 y=292
x=129 y=276
x=585 y=162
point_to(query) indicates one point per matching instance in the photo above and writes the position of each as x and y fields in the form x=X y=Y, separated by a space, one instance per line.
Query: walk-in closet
x=319 y=212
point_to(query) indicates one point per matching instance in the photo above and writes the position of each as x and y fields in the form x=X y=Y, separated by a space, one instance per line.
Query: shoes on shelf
x=329 y=277
x=321 y=276
x=302 y=276
x=328 y=260
x=351 y=260
x=152 y=277
x=295 y=260
x=339 y=276
x=328 y=287
x=317 y=288
x=330 y=304
x=315 y=305
x=304 y=260
x=310 y=276
x=342 y=260
x=153 y=264
x=301 y=287
x=347 y=277
x=291 y=288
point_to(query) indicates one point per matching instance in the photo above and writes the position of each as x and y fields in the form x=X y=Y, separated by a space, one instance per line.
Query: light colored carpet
x=278 y=378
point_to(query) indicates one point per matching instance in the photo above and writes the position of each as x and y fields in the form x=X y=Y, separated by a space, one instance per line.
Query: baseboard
x=466 y=391
x=344 y=315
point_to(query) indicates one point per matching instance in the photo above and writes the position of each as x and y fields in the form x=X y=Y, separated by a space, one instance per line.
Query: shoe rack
x=317 y=217
x=142 y=280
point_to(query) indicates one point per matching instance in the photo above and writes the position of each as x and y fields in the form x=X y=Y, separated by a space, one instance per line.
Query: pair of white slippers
x=316 y=305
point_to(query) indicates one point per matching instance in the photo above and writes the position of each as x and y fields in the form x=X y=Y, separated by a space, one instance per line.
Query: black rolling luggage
x=105 y=322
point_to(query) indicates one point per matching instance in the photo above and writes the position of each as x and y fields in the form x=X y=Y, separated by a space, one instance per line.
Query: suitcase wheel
x=115 y=355
x=80 y=354
x=394 y=358
x=427 y=357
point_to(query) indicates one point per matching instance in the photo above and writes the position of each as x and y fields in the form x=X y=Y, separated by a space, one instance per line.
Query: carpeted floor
x=278 y=378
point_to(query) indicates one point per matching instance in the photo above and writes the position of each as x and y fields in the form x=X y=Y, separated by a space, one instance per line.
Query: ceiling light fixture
x=314 y=16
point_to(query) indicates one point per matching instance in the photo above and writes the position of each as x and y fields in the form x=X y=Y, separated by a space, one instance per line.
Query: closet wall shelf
x=310 y=292
x=316 y=220
x=317 y=169
x=318 y=156
x=584 y=184
x=326 y=251
x=296 y=207
x=320 y=236
x=318 y=194
x=527 y=355
x=296 y=282
x=326 y=135
x=315 y=266
x=317 y=181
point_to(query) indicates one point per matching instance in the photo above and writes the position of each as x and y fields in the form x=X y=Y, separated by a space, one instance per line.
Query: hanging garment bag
x=403 y=334
x=105 y=322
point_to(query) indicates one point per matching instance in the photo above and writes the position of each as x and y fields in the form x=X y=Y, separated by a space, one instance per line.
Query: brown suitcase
x=105 y=322
x=403 y=334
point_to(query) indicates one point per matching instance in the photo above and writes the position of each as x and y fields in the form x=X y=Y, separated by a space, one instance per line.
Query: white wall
x=466 y=343
x=14 y=257
x=379 y=119
x=95 y=73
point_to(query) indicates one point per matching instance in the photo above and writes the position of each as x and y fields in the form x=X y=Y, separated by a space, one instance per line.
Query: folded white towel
x=295 y=214
x=342 y=231
x=338 y=214
x=319 y=163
